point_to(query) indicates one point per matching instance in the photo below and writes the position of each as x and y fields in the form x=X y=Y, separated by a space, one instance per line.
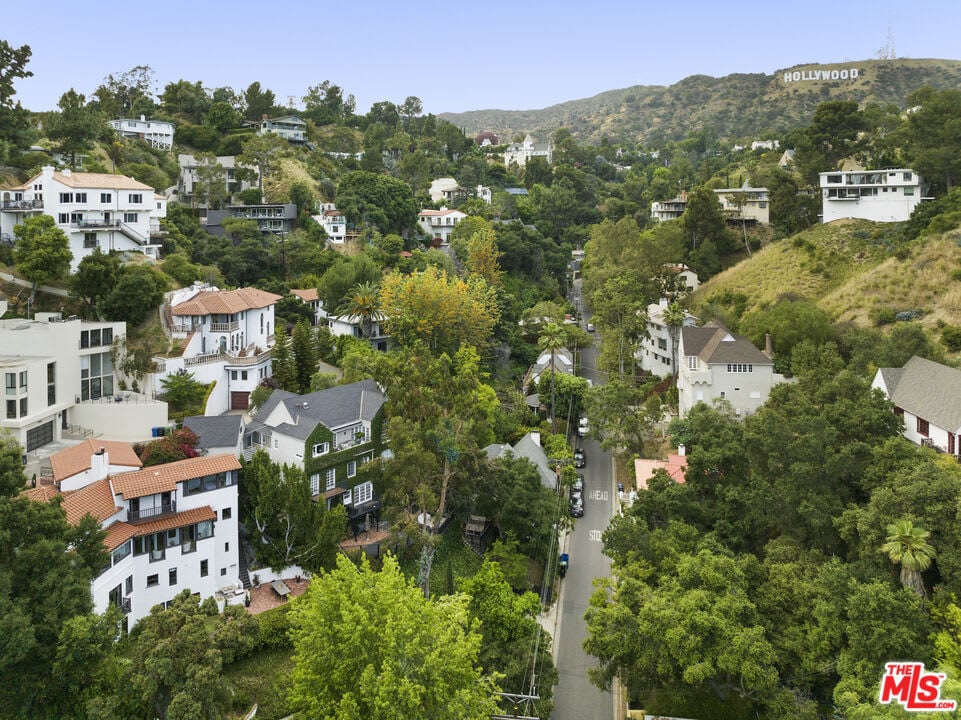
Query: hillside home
x=927 y=397
x=353 y=325
x=677 y=280
x=669 y=209
x=158 y=134
x=217 y=434
x=748 y=204
x=888 y=195
x=331 y=434
x=675 y=466
x=188 y=177
x=519 y=154
x=271 y=218
x=289 y=127
x=312 y=298
x=656 y=352
x=168 y=528
x=486 y=139
x=59 y=375
x=226 y=336
x=95 y=210
x=563 y=364
x=528 y=447
x=716 y=364
x=334 y=223
x=439 y=224
x=447 y=189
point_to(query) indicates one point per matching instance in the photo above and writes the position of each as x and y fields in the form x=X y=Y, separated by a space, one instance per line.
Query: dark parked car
x=579 y=459
x=577 y=508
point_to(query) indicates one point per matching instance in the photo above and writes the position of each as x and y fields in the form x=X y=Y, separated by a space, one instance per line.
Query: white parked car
x=582 y=427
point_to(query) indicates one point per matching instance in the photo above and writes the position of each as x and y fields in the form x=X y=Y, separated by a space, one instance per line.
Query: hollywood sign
x=799 y=75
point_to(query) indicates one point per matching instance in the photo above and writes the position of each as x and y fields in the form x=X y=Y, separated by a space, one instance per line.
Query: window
x=51 y=383
x=662 y=344
x=363 y=493
x=331 y=478
x=692 y=362
x=205 y=529
x=129 y=217
x=153 y=580
x=23 y=380
x=351 y=468
x=909 y=191
x=96 y=371
x=80 y=197
x=23 y=407
x=233 y=374
x=923 y=428
x=908 y=177
x=66 y=197
x=128 y=585
x=106 y=197
x=204 y=568
x=898 y=411
x=63 y=218
x=11 y=383
x=136 y=198
x=172 y=576
x=226 y=513
x=321 y=449
x=76 y=218
x=243 y=374
x=90 y=240
x=120 y=553
x=739 y=368
x=223 y=571
x=315 y=484
x=226 y=547
x=206 y=483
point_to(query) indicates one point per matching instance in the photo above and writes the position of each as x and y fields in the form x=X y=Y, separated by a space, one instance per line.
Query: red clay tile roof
x=70 y=461
x=42 y=493
x=164 y=478
x=306 y=295
x=225 y=302
x=96 y=499
x=118 y=534
x=169 y=522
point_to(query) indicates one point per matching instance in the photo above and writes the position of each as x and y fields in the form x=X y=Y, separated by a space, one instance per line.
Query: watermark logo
x=907 y=683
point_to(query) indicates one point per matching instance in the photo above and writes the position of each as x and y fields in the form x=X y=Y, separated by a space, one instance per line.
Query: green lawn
x=264 y=679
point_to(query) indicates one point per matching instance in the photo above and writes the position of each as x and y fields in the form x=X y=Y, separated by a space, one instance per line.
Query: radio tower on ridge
x=887 y=52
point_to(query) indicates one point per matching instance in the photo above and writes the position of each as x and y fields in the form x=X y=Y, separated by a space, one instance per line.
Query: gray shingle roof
x=532 y=452
x=928 y=390
x=333 y=408
x=715 y=344
x=215 y=431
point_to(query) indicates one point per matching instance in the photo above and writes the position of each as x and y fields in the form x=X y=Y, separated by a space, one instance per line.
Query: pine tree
x=282 y=360
x=305 y=356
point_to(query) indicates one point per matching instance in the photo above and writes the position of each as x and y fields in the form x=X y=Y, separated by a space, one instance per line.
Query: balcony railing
x=230 y=358
x=83 y=224
x=22 y=204
x=154 y=512
x=224 y=326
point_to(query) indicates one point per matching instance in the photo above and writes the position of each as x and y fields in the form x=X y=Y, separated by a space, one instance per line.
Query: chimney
x=768 y=348
x=681 y=450
x=536 y=437
x=264 y=116
x=143 y=119
x=99 y=465
x=66 y=172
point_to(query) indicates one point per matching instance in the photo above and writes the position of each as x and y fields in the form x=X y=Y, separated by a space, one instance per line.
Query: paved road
x=575 y=698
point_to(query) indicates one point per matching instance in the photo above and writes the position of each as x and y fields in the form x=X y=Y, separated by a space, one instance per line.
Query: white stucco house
x=59 y=376
x=519 y=153
x=226 y=335
x=334 y=223
x=927 y=397
x=188 y=177
x=888 y=195
x=289 y=127
x=664 y=210
x=156 y=133
x=168 y=528
x=716 y=364
x=656 y=352
x=745 y=203
x=95 y=210
x=439 y=224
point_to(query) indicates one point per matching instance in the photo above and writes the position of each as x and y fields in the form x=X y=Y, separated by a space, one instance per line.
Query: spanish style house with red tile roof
x=168 y=527
x=439 y=224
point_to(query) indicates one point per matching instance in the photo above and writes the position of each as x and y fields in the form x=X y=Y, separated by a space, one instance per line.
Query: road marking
x=595 y=535
x=598 y=495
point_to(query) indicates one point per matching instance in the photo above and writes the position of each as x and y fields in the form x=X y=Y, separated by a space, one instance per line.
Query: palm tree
x=362 y=302
x=674 y=316
x=552 y=338
x=908 y=545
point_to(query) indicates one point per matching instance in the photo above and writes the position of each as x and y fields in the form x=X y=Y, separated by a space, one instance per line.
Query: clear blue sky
x=456 y=56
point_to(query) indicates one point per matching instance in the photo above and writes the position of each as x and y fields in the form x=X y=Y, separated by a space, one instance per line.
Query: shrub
x=883 y=316
x=274 y=625
x=951 y=337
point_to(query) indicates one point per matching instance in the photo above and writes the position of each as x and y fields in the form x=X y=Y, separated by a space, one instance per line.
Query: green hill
x=735 y=106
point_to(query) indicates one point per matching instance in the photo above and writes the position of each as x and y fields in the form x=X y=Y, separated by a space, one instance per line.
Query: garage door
x=239 y=400
x=40 y=436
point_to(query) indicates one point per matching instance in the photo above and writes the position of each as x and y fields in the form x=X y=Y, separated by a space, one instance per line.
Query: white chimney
x=66 y=172
x=143 y=118
x=681 y=450
x=99 y=465
x=536 y=437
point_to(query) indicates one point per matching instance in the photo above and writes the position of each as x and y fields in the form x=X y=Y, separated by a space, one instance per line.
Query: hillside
x=853 y=270
x=735 y=106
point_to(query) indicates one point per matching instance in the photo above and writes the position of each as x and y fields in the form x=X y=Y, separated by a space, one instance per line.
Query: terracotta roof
x=225 y=302
x=435 y=213
x=42 y=493
x=118 y=534
x=169 y=522
x=164 y=478
x=308 y=295
x=103 y=181
x=70 y=461
x=676 y=466
x=96 y=499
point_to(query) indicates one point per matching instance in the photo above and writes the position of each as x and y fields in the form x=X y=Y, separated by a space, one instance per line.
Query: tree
x=186 y=98
x=262 y=152
x=619 y=416
x=138 y=292
x=282 y=361
x=703 y=220
x=222 y=116
x=908 y=546
x=325 y=104
x=126 y=93
x=76 y=125
x=184 y=393
x=552 y=339
x=42 y=252
x=620 y=309
x=440 y=311
x=257 y=102
x=14 y=122
x=483 y=257
x=12 y=478
x=345 y=274
x=304 y=348
x=934 y=135
x=95 y=278
x=674 y=316
x=831 y=137
x=362 y=302
x=402 y=656
x=289 y=528
x=210 y=189
x=379 y=200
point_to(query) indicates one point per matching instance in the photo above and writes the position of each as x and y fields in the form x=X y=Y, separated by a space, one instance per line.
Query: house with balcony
x=226 y=337
x=927 y=397
x=334 y=223
x=95 y=210
x=158 y=134
x=447 y=189
x=168 y=527
x=374 y=330
x=439 y=224
x=234 y=181
x=715 y=364
x=665 y=210
x=331 y=434
x=271 y=218
x=656 y=353
x=519 y=153
x=59 y=377
x=888 y=195
x=745 y=204
x=289 y=127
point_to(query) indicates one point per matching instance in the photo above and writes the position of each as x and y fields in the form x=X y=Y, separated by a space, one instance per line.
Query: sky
x=456 y=56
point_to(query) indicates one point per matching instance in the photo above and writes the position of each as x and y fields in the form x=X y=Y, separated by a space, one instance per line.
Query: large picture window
x=96 y=376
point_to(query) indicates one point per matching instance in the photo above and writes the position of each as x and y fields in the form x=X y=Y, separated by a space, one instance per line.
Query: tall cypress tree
x=282 y=360
x=305 y=355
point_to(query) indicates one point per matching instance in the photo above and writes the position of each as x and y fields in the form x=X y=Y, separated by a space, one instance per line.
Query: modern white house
x=656 y=352
x=188 y=177
x=226 y=335
x=59 y=376
x=168 y=528
x=447 y=189
x=156 y=133
x=716 y=364
x=334 y=223
x=289 y=127
x=271 y=218
x=519 y=153
x=439 y=224
x=664 y=210
x=888 y=195
x=927 y=397
x=745 y=203
x=95 y=210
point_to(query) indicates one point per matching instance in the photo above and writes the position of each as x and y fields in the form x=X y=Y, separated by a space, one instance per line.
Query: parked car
x=579 y=459
x=579 y=483
x=590 y=327
x=582 y=427
x=577 y=508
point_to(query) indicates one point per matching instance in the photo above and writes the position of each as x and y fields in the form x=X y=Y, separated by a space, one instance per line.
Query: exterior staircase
x=242 y=569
